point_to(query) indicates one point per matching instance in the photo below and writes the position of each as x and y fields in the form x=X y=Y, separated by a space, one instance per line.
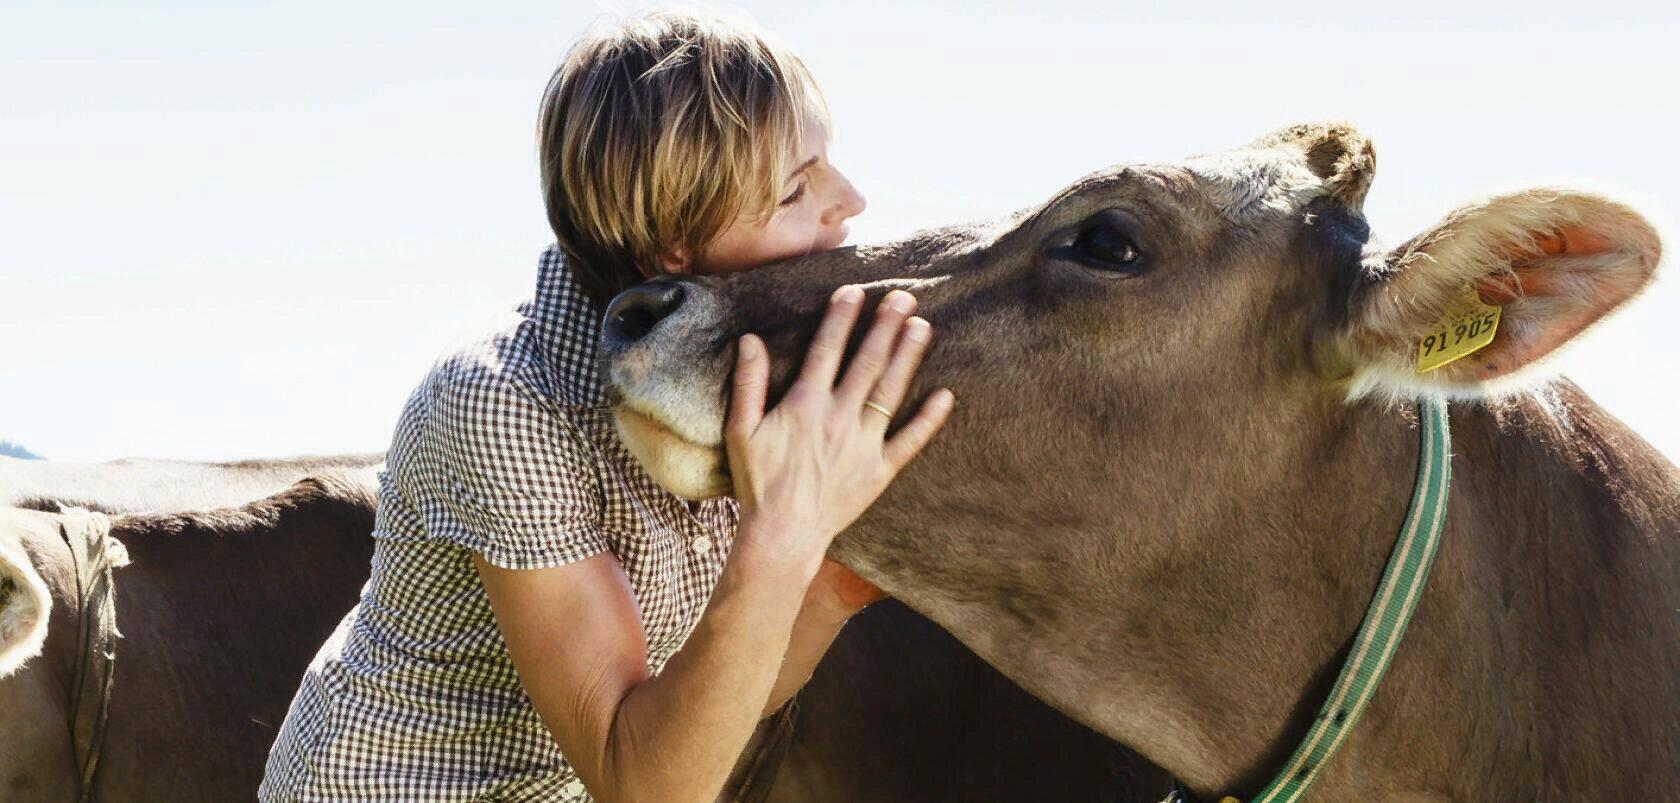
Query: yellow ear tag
x=1466 y=328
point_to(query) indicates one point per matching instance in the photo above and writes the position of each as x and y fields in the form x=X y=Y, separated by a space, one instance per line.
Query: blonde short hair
x=658 y=133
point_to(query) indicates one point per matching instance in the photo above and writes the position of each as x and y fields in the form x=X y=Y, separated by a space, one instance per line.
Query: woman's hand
x=807 y=469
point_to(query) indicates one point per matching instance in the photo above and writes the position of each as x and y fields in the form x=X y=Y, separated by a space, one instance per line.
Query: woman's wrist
x=767 y=549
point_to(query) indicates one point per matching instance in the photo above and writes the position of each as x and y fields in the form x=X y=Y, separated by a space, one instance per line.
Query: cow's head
x=1157 y=371
x=39 y=639
x=1142 y=290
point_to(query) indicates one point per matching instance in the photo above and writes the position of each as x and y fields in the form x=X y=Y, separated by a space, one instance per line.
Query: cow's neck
x=1261 y=620
x=1215 y=672
x=1210 y=662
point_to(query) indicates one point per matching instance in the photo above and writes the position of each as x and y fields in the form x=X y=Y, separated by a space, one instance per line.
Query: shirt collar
x=570 y=325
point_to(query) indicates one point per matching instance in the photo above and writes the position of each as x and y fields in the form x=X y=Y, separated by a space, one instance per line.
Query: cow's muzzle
x=665 y=365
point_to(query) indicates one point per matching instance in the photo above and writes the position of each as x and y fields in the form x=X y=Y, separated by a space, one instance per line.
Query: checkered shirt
x=507 y=450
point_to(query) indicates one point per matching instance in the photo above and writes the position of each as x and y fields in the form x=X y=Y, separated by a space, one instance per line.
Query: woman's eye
x=1105 y=245
x=793 y=198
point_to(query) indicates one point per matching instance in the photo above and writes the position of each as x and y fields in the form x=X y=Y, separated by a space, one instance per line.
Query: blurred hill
x=9 y=449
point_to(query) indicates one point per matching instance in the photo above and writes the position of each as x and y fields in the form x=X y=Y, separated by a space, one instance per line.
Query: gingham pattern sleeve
x=519 y=478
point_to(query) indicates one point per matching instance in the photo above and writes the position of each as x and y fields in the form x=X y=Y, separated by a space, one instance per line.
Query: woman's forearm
x=676 y=737
x=813 y=631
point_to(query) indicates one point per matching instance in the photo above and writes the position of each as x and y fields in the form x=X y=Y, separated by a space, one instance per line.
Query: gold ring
x=879 y=409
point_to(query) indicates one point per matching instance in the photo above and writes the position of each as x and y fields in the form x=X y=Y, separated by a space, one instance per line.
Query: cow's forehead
x=1249 y=186
x=1255 y=185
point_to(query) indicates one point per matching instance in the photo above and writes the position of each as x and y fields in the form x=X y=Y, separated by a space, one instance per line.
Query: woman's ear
x=675 y=261
x=1537 y=267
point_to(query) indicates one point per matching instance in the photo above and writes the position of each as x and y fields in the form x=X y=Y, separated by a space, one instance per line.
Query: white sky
x=246 y=231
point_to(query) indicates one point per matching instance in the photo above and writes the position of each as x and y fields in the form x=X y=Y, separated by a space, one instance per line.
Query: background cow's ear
x=25 y=607
x=1552 y=261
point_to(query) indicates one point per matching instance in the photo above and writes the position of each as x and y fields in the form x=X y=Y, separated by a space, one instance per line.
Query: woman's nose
x=848 y=203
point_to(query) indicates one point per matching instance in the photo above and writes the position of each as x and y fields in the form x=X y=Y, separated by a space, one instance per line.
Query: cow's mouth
x=687 y=468
x=663 y=371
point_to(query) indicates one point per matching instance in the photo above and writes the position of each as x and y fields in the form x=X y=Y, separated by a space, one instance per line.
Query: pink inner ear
x=1528 y=276
x=1524 y=279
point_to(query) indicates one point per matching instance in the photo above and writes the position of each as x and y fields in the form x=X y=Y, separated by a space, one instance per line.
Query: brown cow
x=221 y=611
x=134 y=486
x=219 y=614
x=1182 y=448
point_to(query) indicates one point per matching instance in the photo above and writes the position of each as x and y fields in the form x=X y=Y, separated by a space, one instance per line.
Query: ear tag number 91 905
x=1467 y=327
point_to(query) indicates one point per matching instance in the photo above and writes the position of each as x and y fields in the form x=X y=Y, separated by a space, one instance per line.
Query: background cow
x=138 y=485
x=219 y=613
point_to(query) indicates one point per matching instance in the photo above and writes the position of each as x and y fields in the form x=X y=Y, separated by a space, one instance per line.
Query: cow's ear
x=25 y=607
x=1537 y=267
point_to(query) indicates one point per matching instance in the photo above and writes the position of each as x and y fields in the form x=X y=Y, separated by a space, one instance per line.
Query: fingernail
x=748 y=347
x=900 y=301
x=918 y=329
x=848 y=294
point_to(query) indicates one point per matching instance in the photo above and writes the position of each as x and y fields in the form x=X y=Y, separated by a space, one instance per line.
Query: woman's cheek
x=794 y=239
x=810 y=236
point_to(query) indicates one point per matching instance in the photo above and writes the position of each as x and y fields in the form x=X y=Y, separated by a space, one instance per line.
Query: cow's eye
x=1102 y=243
x=1107 y=245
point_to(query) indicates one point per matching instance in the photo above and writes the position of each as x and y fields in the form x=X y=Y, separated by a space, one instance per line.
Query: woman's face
x=815 y=203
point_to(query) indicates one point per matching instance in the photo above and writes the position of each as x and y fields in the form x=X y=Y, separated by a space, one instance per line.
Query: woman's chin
x=685 y=468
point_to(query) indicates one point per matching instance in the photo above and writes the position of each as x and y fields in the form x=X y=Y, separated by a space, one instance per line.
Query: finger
x=752 y=376
x=908 y=441
x=894 y=383
x=822 y=360
x=871 y=358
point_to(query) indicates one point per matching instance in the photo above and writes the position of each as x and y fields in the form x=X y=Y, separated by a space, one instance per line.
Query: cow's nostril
x=633 y=323
x=636 y=311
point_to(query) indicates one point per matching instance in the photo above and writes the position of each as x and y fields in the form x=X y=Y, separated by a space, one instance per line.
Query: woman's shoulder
x=506 y=398
x=496 y=449
x=544 y=346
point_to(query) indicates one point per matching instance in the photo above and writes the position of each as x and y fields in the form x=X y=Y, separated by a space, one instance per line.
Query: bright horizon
x=236 y=233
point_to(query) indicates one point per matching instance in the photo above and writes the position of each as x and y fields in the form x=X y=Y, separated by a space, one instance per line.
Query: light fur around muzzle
x=689 y=470
x=25 y=607
x=670 y=415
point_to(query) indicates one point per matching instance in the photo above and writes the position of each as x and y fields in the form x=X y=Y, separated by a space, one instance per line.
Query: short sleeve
x=519 y=478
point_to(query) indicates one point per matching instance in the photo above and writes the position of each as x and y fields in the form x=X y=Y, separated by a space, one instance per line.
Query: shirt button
x=700 y=544
x=573 y=788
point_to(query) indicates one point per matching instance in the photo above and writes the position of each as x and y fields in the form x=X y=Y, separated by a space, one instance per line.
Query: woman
x=518 y=638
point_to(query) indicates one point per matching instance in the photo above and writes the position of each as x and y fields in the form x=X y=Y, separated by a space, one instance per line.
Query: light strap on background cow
x=96 y=554
x=1385 y=621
